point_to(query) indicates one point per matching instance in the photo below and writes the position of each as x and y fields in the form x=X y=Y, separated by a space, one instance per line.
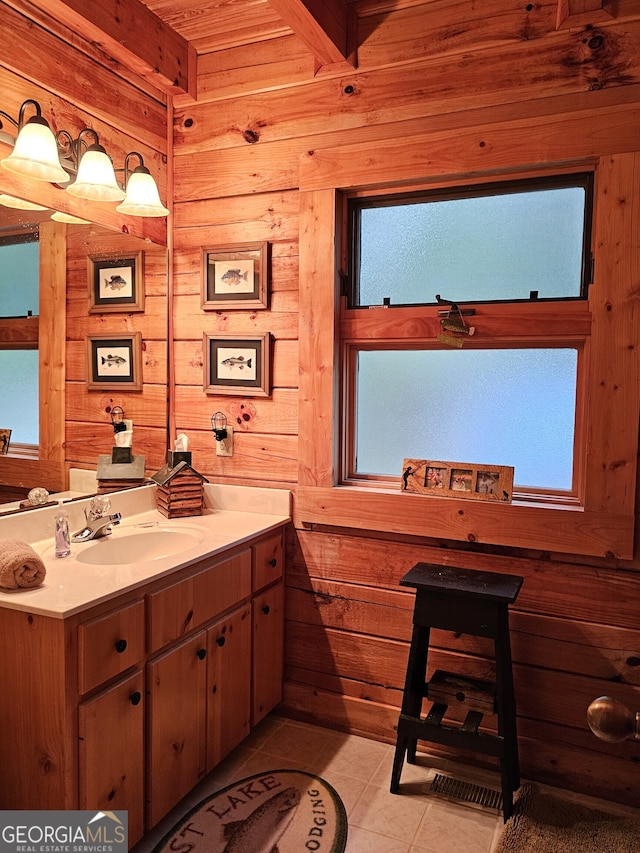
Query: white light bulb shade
x=35 y=154
x=59 y=216
x=143 y=198
x=96 y=180
x=18 y=203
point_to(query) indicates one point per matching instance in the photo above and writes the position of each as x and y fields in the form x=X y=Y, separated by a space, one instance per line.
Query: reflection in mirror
x=68 y=426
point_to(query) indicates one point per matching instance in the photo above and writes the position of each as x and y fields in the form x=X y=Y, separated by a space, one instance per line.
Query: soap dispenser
x=61 y=535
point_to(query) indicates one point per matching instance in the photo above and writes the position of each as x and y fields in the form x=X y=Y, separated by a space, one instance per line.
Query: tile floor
x=360 y=769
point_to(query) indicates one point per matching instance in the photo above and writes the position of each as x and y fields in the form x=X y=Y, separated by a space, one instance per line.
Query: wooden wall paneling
x=611 y=397
x=587 y=648
x=268 y=457
x=277 y=414
x=79 y=80
x=136 y=37
x=85 y=441
x=428 y=89
x=145 y=408
x=273 y=216
x=588 y=593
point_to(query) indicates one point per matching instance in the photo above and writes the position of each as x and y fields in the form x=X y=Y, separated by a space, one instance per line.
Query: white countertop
x=233 y=515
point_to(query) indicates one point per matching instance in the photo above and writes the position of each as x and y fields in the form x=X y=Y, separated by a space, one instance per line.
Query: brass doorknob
x=612 y=721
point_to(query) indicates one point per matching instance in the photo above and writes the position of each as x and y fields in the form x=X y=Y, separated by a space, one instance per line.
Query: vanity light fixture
x=142 y=198
x=38 y=154
x=35 y=152
x=96 y=178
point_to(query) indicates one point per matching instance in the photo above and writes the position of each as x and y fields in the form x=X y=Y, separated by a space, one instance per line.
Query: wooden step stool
x=467 y=602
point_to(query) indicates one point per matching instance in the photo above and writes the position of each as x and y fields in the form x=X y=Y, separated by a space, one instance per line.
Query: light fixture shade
x=96 y=180
x=19 y=203
x=59 y=216
x=35 y=153
x=143 y=198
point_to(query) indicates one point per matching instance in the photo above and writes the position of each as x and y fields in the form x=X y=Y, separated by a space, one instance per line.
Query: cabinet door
x=268 y=649
x=268 y=561
x=111 y=758
x=228 y=684
x=176 y=696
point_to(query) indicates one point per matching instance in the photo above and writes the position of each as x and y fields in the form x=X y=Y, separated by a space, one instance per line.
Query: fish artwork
x=116 y=282
x=237 y=361
x=233 y=277
x=265 y=826
x=113 y=360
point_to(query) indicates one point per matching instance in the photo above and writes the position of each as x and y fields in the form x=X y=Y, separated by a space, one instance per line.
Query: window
x=598 y=326
x=19 y=358
x=500 y=399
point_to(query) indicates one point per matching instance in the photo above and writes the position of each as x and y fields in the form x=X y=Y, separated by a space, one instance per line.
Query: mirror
x=85 y=429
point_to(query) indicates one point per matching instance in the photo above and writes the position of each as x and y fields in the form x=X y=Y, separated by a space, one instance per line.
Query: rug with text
x=281 y=811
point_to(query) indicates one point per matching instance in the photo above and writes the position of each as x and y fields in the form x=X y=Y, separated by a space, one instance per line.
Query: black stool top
x=490 y=586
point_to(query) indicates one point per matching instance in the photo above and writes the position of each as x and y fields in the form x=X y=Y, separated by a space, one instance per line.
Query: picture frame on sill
x=114 y=362
x=458 y=480
x=116 y=283
x=235 y=276
x=237 y=365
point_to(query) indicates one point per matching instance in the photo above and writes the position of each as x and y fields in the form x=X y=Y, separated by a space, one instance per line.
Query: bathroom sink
x=139 y=544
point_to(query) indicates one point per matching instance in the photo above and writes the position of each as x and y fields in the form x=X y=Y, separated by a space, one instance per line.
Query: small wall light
x=219 y=425
x=117 y=419
x=96 y=179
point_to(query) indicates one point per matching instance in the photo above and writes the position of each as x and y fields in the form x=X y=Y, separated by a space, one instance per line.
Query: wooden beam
x=325 y=26
x=135 y=36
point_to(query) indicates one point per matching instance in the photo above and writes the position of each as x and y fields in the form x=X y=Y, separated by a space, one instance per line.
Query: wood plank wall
x=442 y=68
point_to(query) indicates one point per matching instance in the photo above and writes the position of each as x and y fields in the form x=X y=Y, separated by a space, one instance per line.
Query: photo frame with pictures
x=235 y=276
x=237 y=365
x=116 y=283
x=114 y=362
x=458 y=479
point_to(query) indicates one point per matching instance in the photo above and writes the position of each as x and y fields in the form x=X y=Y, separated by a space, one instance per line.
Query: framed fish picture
x=235 y=276
x=116 y=283
x=237 y=365
x=114 y=362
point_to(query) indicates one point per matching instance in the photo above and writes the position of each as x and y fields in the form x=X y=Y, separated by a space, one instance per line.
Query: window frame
x=356 y=202
x=604 y=524
x=350 y=350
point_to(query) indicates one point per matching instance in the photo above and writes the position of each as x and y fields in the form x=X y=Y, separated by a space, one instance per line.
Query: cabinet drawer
x=177 y=609
x=268 y=561
x=110 y=644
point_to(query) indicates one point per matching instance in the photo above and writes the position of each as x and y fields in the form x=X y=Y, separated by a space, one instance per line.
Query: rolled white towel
x=20 y=565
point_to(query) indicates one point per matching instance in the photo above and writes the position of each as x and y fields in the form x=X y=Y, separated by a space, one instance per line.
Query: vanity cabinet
x=127 y=704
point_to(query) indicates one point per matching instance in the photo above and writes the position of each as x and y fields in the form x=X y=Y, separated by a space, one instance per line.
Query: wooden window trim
x=604 y=524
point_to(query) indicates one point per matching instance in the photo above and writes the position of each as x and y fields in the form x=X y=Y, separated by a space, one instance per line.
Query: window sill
x=560 y=528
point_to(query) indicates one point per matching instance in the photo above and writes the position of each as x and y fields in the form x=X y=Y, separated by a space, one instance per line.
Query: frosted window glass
x=495 y=407
x=19 y=395
x=19 y=279
x=495 y=247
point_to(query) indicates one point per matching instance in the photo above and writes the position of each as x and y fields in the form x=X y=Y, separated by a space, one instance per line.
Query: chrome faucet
x=98 y=520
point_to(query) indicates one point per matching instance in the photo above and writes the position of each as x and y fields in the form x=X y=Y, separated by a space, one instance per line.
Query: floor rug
x=281 y=811
x=544 y=823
